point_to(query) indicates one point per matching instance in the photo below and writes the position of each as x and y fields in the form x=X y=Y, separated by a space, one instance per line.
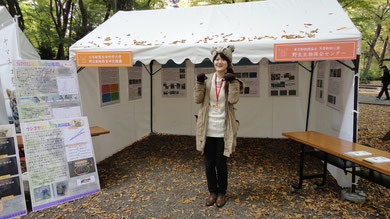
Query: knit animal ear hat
x=227 y=51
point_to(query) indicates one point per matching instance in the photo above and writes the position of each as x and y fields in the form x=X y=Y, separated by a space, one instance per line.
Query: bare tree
x=123 y=5
x=14 y=9
x=60 y=15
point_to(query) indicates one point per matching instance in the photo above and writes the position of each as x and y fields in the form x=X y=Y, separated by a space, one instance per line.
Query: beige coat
x=202 y=96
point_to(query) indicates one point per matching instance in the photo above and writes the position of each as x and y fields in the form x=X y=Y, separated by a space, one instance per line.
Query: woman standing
x=216 y=127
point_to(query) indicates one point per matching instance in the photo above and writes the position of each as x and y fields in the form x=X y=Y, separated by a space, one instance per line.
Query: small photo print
x=165 y=86
x=275 y=77
x=292 y=92
x=60 y=188
x=283 y=92
x=183 y=86
x=245 y=75
x=10 y=186
x=85 y=180
x=286 y=75
x=182 y=70
x=238 y=75
x=331 y=99
x=182 y=76
x=81 y=167
x=8 y=166
x=253 y=74
x=140 y=91
x=172 y=86
x=42 y=193
x=7 y=146
x=321 y=94
x=246 y=90
x=274 y=93
x=292 y=77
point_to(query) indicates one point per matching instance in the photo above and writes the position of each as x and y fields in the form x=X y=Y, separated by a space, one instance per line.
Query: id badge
x=216 y=109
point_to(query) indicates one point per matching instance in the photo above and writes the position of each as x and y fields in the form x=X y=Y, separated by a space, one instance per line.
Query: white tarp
x=189 y=33
x=13 y=46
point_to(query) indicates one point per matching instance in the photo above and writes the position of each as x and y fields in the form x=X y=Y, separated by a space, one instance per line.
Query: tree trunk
x=372 y=47
x=107 y=15
x=84 y=19
x=383 y=51
x=60 y=21
x=124 y=5
x=14 y=9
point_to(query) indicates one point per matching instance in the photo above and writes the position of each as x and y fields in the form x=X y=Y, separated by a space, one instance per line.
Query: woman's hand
x=201 y=78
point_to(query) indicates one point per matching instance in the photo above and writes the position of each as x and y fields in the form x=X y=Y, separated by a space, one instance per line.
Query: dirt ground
x=163 y=176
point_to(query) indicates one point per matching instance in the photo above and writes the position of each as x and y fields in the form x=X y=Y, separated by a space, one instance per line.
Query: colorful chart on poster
x=60 y=161
x=174 y=82
x=46 y=90
x=283 y=79
x=12 y=200
x=109 y=85
x=335 y=86
x=135 y=83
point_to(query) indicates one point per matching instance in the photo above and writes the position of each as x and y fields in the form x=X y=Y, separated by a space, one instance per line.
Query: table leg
x=300 y=171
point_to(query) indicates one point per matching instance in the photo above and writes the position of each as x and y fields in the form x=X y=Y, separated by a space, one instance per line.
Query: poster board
x=174 y=82
x=109 y=85
x=134 y=83
x=335 y=86
x=12 y=200
x=60 y=160
x=249 y=75
x=283 y=79
x=320 y=82
x=46 y=90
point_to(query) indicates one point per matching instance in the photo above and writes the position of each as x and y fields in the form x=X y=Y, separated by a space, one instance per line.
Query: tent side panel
x=338 y=123
x=128 y=121
x=174 y=115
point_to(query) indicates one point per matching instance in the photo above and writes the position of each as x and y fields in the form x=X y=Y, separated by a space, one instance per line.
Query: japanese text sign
x=104 y=59
x=332 y=50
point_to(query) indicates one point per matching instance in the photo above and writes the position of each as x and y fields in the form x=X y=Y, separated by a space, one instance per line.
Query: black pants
x=384 y=89
x=216 y=168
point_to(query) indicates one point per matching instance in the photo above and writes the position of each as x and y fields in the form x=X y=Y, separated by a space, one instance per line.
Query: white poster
x=135 y=83
x=320 y=82
x=8 y=52
x=12 y=200
x=335 y=86
x=109 y=85
x=46 y=90
x=60 y=161
x=250 y=77
x=174 y=82
x=283 y=79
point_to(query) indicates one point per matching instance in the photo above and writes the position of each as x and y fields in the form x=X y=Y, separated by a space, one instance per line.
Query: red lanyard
x=216 y=89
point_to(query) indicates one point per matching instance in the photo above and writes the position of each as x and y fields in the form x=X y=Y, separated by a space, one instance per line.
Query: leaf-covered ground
x=163 y=176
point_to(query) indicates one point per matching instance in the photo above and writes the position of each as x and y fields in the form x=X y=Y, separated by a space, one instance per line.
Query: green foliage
x=373 y=74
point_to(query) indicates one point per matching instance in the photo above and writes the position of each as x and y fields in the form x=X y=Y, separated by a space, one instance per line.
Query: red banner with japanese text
x=104 y=59
x=332 y=50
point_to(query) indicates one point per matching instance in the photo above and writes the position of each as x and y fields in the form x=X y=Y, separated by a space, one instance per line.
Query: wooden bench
x=332 y=150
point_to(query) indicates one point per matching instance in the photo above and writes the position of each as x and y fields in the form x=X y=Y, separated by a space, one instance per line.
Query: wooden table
x=95 y=131
x=336 y=147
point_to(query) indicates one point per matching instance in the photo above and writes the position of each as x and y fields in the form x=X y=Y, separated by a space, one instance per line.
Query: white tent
x=186 y=35
x=13 y=46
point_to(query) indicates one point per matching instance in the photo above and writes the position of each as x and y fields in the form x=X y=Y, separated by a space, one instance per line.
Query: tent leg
x=355 y=99
x=151 y=98
x=310 y=88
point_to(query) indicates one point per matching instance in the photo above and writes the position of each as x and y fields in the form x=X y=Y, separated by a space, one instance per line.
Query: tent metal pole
x=151 y=97
x=309 y=98
x=356 y=62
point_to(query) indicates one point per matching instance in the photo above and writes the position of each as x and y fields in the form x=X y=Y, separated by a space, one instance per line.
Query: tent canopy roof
x=189 y=33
